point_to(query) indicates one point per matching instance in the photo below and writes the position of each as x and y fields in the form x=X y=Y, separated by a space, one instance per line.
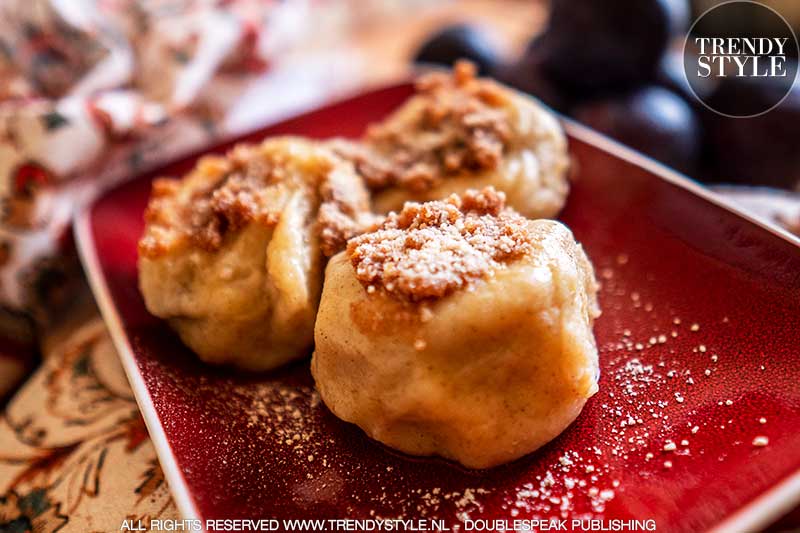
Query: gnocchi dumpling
x=459 y=328
x=233 y=254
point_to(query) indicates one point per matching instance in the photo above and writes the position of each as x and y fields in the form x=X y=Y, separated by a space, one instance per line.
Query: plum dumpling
x=233 y=253
x=459 y=328
x=460 y=132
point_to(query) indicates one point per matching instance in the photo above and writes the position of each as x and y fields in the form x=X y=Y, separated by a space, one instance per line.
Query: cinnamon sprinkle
x=455 y=123
x=431 y=249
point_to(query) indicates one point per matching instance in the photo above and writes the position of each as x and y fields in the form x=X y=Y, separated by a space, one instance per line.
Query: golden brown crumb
x=431 y=249
x=224 y=194
x=344 y=209
x=338 y=224
x=461 y=125
x=335 y=228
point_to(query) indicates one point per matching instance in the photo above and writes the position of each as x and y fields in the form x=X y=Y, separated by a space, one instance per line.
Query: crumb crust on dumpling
x=249 y=185
x=431 y=249
x=233 y=252
x=461 y=126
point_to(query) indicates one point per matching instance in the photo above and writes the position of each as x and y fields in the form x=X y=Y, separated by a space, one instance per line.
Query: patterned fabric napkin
x=95 y=91
x=75 y=455
x=92 y=90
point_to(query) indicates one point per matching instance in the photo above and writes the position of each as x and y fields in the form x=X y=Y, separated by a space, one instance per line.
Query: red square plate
x=699 y=349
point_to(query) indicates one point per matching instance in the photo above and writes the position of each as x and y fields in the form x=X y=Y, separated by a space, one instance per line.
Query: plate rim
x=87 y=253
x=758 y=513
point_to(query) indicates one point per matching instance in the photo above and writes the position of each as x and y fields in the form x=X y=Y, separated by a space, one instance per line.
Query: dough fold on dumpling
x=459 y=329
x=233 y=254
x=459 y=132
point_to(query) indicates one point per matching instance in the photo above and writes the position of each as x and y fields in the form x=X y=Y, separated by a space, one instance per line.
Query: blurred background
x=93 y=92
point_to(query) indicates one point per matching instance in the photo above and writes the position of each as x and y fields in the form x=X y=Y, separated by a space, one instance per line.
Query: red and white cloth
x=92 y=91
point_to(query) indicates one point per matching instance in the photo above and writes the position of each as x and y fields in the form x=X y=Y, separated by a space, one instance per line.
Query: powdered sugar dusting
x=429 y=250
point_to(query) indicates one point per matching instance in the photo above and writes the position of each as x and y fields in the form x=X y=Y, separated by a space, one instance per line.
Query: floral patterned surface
x=74 y=451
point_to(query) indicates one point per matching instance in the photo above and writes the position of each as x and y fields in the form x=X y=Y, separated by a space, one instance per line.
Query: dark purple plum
x=528 y=77
x=651 y=119
x=460 y=41
x=591 y=46
x=761 y=150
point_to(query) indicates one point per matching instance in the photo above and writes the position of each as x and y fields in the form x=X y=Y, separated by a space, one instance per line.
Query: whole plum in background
x=527 y=76
x=762 y=150
x=590 y=46
x=650 y=119
x=460 y=41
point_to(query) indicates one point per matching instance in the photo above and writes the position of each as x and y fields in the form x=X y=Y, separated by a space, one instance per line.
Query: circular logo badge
x=741 y=42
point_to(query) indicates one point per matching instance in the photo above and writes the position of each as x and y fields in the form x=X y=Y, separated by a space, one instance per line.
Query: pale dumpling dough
x=459 y=132
x=459 y=329
x=233 y=254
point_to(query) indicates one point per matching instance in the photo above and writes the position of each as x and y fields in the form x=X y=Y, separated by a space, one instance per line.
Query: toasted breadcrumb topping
x=431 y=249
x=249 y=186
x=341 y=216
x=455 y=123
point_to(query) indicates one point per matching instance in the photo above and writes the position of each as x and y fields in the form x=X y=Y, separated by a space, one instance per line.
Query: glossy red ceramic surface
x=699 y=348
